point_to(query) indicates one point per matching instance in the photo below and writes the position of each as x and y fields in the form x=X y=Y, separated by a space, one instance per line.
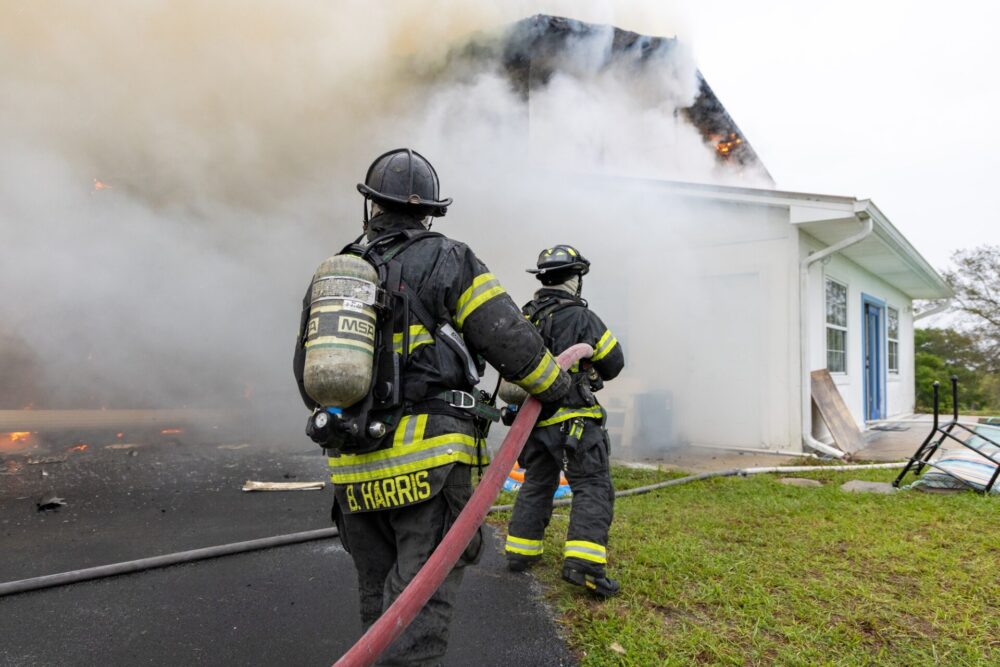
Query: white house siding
x=899 y=387
x=701 y=285
x=709 y=333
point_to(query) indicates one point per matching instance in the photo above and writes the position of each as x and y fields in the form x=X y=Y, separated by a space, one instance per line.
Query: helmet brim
x=433 y=207
x=579 y=268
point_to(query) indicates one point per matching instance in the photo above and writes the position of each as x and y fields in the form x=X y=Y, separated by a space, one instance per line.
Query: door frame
x=873 y=375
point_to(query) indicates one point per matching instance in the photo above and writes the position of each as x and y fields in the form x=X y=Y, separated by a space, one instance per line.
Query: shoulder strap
x=394 y=284
x=540 y=311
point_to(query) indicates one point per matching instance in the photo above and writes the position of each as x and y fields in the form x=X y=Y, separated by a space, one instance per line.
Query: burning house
x=546 y=131
x=726 y=292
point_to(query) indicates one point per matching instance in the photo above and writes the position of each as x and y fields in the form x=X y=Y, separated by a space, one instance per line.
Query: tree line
x=969 y=347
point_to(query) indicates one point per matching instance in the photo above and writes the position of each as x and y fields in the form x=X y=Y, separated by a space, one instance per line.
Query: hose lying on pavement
x=128 y=567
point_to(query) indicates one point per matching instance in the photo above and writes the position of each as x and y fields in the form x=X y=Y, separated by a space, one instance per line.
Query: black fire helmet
x=556 y=264
x=402 y=179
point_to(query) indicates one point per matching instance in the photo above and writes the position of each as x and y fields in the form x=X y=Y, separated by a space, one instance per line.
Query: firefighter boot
x=599 y=586
x=519 y=563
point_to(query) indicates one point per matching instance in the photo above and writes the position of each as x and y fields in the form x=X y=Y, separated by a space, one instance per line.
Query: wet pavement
x=294 y=605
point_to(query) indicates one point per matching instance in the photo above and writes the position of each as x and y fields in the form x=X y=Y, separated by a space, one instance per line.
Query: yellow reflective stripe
x=419 y=335
x=410 y=452
x=431 y=453
x=542 y=377
x=338 y=341
x=562 y=414
x=519 y=545
x=591 y=551
x=484 y=287
x=410 y=430
x=604 y=345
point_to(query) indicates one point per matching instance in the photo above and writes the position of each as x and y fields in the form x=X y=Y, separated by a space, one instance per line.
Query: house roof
x=533 y=49
x=830 y=219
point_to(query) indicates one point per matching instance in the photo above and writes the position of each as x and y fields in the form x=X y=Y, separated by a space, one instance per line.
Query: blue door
x=874 y=359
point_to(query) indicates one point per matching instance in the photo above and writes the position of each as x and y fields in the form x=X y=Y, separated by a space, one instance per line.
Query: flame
x=726 y=144
x=101 y=185
x=119 y=435
x=79 y=448
x=172 y=431
x=16 y=440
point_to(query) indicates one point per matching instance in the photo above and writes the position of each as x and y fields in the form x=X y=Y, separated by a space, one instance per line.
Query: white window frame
x=836 y=327
x=890 y=341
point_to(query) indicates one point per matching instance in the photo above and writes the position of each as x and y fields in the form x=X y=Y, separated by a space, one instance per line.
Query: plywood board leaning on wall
x=836 y=416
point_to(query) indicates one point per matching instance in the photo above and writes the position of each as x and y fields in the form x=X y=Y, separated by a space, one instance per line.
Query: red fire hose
x=401 y=613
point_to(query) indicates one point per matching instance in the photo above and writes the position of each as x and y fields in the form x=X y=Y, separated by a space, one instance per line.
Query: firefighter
x=393 y=506
x=569 y=436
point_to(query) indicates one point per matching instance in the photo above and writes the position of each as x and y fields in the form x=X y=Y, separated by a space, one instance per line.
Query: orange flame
x=726 y=145
x=19 y=436
x=119 y=435
x=79 y=448
x=172 y=431
x=101 y=185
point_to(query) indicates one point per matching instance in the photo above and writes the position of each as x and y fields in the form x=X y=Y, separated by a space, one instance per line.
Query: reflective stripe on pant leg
x=524 y=546
x=588 y=551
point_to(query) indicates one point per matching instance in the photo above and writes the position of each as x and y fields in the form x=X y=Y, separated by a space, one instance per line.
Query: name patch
x=387 y=493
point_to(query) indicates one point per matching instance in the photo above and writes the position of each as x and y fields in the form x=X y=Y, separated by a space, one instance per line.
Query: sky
x=893 y=101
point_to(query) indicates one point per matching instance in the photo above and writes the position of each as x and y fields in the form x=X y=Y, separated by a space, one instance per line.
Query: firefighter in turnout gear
x=569 y=436
x=393 y=505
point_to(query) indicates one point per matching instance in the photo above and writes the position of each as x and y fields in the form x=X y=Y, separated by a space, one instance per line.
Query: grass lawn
x=748 y=571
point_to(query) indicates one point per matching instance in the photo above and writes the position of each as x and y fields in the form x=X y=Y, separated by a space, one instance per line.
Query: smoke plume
x=172 y=172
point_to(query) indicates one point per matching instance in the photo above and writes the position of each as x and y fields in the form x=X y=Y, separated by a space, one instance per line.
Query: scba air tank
x=340 y=337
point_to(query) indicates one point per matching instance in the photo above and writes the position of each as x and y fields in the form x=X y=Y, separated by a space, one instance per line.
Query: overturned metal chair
x=947 y=431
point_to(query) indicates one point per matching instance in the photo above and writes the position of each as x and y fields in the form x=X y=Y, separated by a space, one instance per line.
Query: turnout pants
x=587 y=470
x=390 y=546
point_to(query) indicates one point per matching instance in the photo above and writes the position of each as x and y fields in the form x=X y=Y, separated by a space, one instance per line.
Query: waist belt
x=464 y=400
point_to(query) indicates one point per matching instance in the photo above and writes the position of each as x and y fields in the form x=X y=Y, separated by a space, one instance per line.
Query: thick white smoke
x=231 y=136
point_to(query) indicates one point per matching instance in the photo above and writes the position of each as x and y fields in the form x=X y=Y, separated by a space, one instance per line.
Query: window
x=893 y=326
x=836 y=326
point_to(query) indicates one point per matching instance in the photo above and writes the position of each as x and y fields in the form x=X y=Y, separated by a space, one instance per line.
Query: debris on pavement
x=283 y=486
x=46 y=459
x=50 y=501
